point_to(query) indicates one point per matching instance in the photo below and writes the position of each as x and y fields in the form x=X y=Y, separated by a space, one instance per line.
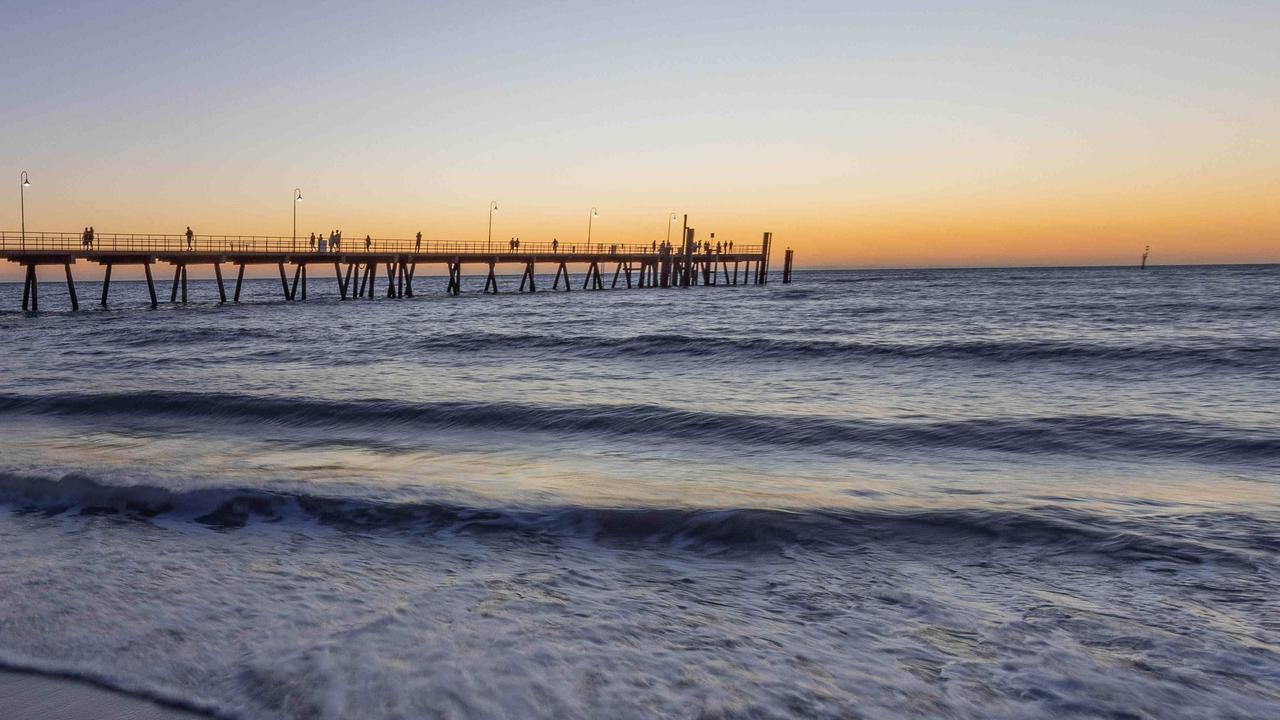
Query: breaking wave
x=1051 y=531
x=1248 y=355
x=1138 y=436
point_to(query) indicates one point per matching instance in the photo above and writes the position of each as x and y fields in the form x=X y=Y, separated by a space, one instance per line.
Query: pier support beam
x=528 y=275
x=284 y=282
x=786 y=266
x=343 y=284
x=455 y=278
x=491 y=282
x=408 y=279
x=562 y=270
x=151 y=285
x=593 y=277
x=106 y=284
x=71 y=287
x=239 y=281
x=391 y=281
x=30 y=300
x=222 y=290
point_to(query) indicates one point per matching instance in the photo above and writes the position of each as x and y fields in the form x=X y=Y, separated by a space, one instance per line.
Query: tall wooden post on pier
x=762 y=265
x=686 y=269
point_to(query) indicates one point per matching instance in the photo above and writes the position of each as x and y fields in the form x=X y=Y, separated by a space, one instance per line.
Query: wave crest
x=1151 y=436
x=1050 y=531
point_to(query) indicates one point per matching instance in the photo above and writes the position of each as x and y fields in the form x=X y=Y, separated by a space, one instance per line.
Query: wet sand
x=27 y=696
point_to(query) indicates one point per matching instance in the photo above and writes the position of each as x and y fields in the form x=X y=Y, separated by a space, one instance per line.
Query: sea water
x=884 y=494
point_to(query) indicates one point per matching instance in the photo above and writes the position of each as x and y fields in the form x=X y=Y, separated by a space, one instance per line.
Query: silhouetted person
x=84 y=238
x=555 y=245
x=91 y=237
x=655 y=246
x=312 y=243
x=368 y=243
x=730 y=246
x=417 y=243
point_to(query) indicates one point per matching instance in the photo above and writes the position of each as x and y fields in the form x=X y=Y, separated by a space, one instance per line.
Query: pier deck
x=357 y=263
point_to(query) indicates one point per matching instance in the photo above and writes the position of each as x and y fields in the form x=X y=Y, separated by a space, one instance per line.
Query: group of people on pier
x=86 y=239
x=321 y=244
x=333 y=243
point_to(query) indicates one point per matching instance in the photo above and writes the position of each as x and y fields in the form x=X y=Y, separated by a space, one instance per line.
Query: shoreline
x=31 y=695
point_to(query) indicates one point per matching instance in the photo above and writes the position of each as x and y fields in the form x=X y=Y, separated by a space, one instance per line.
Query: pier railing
x=151 y=243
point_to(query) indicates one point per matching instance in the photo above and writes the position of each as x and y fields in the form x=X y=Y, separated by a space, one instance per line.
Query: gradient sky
x=885 y=134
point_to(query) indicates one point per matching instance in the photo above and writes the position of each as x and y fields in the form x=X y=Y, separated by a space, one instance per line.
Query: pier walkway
x=357 y=263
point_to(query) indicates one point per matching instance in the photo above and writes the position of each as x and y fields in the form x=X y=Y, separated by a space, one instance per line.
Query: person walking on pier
x=417 y=243
x=555 y=245
x=91 y=237
x=368 y=243
x=190 y=239
x=312 y=242
x=84 y=239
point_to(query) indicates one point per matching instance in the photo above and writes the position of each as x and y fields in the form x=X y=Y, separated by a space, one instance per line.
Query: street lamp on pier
x=297 y=198
x=593 y=216
x=493 y=208
x=673 y=222
x=23 y=184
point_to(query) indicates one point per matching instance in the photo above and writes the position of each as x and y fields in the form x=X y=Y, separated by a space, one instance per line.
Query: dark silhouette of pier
x=357 y=271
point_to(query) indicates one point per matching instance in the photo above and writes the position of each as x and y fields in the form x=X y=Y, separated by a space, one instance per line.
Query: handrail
x=249 y=244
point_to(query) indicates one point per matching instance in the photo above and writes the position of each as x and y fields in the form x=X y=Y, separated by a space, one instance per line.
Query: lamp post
x=673 y=222
x=23 y=184
x=493 y=208
x=297 y=198
x=593 y=216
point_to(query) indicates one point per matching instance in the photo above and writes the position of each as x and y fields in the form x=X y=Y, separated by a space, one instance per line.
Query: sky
x=881 y=134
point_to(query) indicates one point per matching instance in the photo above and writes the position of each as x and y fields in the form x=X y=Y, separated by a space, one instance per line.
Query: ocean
x=1017 y=493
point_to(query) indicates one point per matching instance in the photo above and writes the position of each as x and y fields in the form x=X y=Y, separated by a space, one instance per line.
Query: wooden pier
x=357 y=263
